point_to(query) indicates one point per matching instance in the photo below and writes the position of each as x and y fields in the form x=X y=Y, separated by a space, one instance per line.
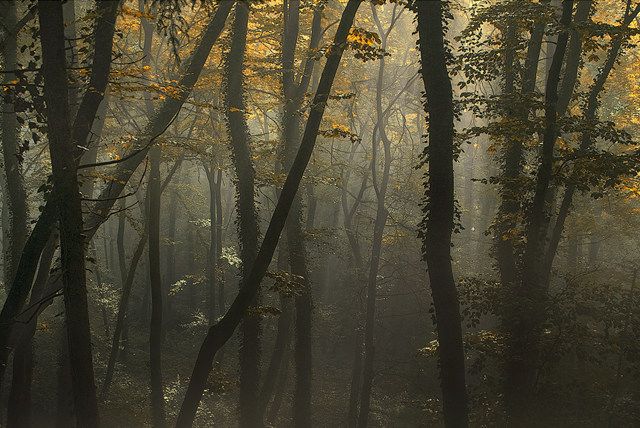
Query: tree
x=440 y=210
x=62 y=147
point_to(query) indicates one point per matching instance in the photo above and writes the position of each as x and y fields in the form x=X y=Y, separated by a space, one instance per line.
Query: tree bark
x=155 y=280
x=440 y=212
x=19 y=406
x=62 y=148
x=15 y=195
x=250 y=349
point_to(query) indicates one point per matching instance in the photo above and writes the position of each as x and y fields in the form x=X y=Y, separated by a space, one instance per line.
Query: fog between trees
x=320 y=213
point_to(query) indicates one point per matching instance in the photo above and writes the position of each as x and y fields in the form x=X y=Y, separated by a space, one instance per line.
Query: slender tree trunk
x=439 y=222
x=155 y=280
x=283 y=337
x=214 y=250
x=356 y=381
x=121 y=318
x=281 y=386
x=380 y=187
x=219 y=333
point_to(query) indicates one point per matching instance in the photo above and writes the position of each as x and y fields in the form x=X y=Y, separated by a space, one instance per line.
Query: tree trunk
x=155 y=280
x=62 y=147
x=380 y=187
x=247 y=212
x=439 y=221
x=19 y=406
x=293 y=93
x=523 y=336
x=220 y=332
x=15 y=195
x=121 y=318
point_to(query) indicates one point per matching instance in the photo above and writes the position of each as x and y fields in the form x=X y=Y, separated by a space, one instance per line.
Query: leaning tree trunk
x=221 y=332
x=440 y=211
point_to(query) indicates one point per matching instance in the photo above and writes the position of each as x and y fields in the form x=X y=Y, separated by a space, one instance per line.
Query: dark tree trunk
x=121 y=318
x=523 y=336
x=247 y=212
x=15 y=195
x=62 y=148
x=283 y=337
x=439 y=222
x=293 y=93
x=214 y=249
x=220 y=332
x=380 y=185
x=19 y=406
x=155 y=281
x=356 y=381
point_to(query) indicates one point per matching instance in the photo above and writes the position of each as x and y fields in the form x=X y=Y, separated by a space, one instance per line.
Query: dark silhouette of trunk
x=293 y=93
x=574 y=55
x=121 y=318
x=283 y=338
x=19 y=406
x=213 y=264
x=246 y=211
x=380 y=186
x=15 y=195
x=64 y=400
x=15 y=214
x=122 y=322
x=219 y=333
x=281 y=386
x=155 y=281
x=523 y=337
x=170 y=259
x=356 y=380
x=23 y=279
x=154 y=194
x=440 y=211
x=62 y=148
x=122 y=256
